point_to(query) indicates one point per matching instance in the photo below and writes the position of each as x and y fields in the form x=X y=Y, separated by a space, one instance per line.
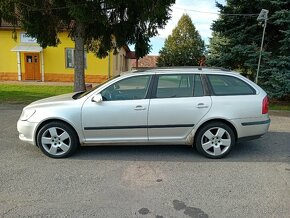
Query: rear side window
x=180 y=85
x=229 y=85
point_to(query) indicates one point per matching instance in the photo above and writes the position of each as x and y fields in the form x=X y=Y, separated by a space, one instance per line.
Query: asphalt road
x=152 y=181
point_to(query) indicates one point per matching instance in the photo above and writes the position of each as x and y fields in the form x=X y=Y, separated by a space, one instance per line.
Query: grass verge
x=20 y=94
x=283 y=107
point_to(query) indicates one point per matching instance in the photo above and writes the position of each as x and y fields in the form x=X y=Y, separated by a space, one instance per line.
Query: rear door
x=178 y=103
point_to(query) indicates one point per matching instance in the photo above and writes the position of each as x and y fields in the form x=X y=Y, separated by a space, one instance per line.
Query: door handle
x=139 y=108
x=202 y=105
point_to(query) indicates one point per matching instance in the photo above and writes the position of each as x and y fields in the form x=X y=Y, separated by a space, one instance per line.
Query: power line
x=208 y=12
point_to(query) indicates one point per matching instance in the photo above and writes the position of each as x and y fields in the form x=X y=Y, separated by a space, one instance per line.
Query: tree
x=243 y=34
x=216 y=48
x=95 y=25
x=275 y=77
x=183 y=47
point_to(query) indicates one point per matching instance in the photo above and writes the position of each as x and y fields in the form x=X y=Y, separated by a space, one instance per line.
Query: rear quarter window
x=229 y=85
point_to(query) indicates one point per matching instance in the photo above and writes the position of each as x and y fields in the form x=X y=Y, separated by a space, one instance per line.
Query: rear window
x=229 y=85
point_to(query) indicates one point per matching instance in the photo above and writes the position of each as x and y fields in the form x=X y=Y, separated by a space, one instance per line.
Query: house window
x=70 y=58
x=24 y=38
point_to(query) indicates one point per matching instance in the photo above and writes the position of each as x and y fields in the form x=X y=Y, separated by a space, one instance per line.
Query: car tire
x=57 y=140
x=215 y=140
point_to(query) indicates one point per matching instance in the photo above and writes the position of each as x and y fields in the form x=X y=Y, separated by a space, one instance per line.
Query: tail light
x=265 y=105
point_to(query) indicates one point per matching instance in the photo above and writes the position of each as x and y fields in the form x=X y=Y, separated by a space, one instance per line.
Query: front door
x=32 y=66
x=121 y=116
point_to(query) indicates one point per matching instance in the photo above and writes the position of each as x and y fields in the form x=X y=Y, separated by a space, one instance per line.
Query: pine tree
x=216 y=48
x=183 y=47
x=275 y=77
x=243 y=35
x=244 y=32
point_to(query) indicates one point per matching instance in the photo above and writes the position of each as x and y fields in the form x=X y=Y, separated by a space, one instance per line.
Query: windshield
x=84 y=93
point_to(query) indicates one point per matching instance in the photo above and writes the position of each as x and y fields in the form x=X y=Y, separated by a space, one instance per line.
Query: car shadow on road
x=273 y=147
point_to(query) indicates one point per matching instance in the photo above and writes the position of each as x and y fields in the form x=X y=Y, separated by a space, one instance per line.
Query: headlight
x=26 y=114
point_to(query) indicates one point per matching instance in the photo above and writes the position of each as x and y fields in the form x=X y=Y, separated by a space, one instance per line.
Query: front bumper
x=26 y=131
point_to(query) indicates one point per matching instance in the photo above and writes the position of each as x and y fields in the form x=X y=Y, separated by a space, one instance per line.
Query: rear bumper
x=255 y=123
x=253 y=128
x=249 y=138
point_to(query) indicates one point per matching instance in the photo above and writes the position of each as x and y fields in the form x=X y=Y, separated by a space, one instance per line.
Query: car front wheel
x=57 y=140
x=215 y=140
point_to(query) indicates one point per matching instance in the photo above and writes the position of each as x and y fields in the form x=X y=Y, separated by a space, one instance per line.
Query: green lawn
x=25 y=94
x=284 y=107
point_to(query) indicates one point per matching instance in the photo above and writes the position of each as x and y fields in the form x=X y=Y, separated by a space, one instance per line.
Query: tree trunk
x=79 y=68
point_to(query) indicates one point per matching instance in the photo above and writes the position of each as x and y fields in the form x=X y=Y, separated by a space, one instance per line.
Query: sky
x=202 y=21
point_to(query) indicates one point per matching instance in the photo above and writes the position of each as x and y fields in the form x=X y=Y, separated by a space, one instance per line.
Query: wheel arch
x=43 y=123
x=231 y=125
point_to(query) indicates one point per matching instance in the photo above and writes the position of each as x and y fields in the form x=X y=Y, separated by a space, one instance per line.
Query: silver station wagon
x=211 y=109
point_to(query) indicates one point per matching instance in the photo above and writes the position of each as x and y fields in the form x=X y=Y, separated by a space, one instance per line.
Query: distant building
x=148 y=61
x=24 y=59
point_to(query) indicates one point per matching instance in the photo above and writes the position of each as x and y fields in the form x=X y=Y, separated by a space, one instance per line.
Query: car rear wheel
x=215 y=140
x=57 y=140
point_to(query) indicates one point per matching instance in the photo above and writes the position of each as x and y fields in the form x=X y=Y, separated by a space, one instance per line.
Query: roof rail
x=217 y=68
x=142 y=69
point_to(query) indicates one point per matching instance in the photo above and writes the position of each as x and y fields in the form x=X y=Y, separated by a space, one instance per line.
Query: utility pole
x=263 y=17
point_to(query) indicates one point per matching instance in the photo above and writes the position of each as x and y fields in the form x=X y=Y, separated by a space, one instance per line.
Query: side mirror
x=97 y=98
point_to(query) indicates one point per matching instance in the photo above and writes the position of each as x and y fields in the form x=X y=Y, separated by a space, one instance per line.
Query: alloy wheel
x=56 y=141
x=216 y=141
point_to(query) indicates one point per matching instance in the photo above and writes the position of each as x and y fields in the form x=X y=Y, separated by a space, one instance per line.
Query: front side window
x=179 y=85
x=132 y=88
x=70 y=58
x=229 y=85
